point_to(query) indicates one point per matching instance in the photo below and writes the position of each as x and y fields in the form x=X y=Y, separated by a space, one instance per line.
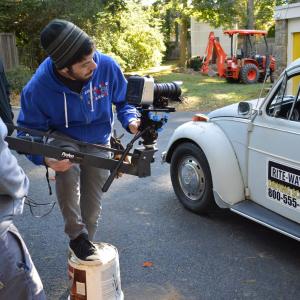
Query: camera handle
x=153 y=123
x=114 y=172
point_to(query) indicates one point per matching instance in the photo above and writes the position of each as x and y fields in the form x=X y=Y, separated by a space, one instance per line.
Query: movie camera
x=152 y=100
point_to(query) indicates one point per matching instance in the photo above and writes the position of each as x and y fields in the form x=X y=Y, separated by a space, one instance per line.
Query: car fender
x=228 y=186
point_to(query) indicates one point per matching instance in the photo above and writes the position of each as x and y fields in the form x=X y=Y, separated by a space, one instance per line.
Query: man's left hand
x=134 y=126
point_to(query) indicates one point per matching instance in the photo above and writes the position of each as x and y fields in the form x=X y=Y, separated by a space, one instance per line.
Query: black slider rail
x=34 y=143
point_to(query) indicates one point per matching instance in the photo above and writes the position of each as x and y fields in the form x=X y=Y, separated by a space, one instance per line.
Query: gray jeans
x=79 y=192
x=19 y=279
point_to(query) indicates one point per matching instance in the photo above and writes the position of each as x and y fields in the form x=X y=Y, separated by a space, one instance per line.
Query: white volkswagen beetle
x=245 y=157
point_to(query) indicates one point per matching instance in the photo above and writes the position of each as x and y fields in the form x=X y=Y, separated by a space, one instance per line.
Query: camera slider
x=34 y=142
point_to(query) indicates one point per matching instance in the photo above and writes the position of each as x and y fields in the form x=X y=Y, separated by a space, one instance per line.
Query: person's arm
x=127 y=114
x=13 y=181
x=5 y=107
x=7 y=90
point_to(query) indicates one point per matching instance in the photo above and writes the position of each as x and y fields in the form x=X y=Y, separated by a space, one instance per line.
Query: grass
x=200 y=92
x=203 y=93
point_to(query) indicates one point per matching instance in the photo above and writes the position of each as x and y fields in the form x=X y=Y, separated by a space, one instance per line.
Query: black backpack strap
x=48 y=180
x=46 y=138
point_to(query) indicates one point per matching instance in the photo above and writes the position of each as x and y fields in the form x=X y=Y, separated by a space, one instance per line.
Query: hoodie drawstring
x=66 y=107
x=66 y=111
x=91 y=97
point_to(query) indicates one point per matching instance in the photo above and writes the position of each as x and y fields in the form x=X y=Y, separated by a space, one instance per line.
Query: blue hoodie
x=46 y=103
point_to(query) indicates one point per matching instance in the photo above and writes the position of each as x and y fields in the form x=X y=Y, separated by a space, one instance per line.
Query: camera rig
x=151 y=100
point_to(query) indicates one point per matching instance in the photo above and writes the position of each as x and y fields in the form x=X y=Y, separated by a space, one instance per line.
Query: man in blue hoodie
x=72 y=92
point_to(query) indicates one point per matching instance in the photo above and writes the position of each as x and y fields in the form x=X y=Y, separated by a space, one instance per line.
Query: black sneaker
x=84 y=250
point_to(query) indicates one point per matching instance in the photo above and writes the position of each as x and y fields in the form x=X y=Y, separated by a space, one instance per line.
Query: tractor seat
x=259 y=59
x=239 y=53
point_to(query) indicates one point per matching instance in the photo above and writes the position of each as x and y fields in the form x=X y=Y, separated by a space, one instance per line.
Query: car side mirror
x=244 y=108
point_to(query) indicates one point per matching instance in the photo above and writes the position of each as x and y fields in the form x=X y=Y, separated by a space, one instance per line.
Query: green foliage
x=169 y=27
x=264 y=13
x=18 y=77
x=28 y=17
x=133 y=39
x=227 y=13
x=271 y=31
x=175 y=14
x=120 y=28
x=133 y=34
x=217 y=12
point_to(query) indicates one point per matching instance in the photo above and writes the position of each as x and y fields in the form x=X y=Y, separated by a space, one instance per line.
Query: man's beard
x=78 y=77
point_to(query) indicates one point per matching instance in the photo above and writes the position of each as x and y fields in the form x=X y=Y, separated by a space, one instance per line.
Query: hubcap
x=251 y=75
x=191 y=178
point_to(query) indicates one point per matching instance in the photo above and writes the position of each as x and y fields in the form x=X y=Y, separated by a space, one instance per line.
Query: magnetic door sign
x=283 y=185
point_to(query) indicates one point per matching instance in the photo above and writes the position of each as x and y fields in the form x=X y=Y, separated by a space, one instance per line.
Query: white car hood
x=232 y=110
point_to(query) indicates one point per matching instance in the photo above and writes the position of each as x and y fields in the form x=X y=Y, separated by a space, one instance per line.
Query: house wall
x=287 y=19
x=199 y=38
x=293 y=29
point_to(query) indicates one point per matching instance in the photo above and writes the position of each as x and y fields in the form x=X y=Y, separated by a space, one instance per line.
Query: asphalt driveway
x=220 y=256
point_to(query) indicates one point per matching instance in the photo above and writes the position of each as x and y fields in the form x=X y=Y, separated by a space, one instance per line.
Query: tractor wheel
x=249 y=74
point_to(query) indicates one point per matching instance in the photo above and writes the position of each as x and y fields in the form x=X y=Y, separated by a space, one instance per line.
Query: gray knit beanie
x=62 y=40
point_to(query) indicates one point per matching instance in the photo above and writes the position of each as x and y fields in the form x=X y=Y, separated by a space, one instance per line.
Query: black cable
x=114 y=172
x=33 y=204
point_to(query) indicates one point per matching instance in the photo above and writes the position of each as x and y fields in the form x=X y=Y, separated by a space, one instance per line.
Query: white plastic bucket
x=96 y=282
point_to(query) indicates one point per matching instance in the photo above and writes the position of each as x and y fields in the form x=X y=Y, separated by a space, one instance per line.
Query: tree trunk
x=249 y=25
x=250 y=14
x=183 y=41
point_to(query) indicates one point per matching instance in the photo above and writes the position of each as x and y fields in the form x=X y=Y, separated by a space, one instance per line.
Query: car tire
x=249 y=74
x=191 y=178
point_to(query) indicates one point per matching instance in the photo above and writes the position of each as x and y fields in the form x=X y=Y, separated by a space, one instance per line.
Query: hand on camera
x=58 y=165
x=134 y=126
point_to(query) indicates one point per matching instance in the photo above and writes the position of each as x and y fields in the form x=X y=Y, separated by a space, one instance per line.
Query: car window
x=285 y=103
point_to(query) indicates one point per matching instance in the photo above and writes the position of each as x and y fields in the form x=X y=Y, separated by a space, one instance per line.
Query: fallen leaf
x=147 y=264
x=250 y=281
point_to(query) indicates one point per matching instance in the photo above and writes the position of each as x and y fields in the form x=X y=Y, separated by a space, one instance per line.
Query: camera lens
x=171 y=91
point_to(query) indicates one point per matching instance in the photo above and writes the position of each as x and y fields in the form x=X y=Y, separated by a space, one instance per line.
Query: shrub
x=18 y=77
x=195 y=63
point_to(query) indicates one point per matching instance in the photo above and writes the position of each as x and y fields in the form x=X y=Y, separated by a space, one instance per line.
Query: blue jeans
x=19 y=279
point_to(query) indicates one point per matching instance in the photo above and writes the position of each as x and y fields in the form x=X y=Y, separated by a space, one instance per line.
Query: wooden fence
x=8 y=50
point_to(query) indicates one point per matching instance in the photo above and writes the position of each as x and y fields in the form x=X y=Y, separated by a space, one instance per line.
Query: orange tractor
x=245 y=65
